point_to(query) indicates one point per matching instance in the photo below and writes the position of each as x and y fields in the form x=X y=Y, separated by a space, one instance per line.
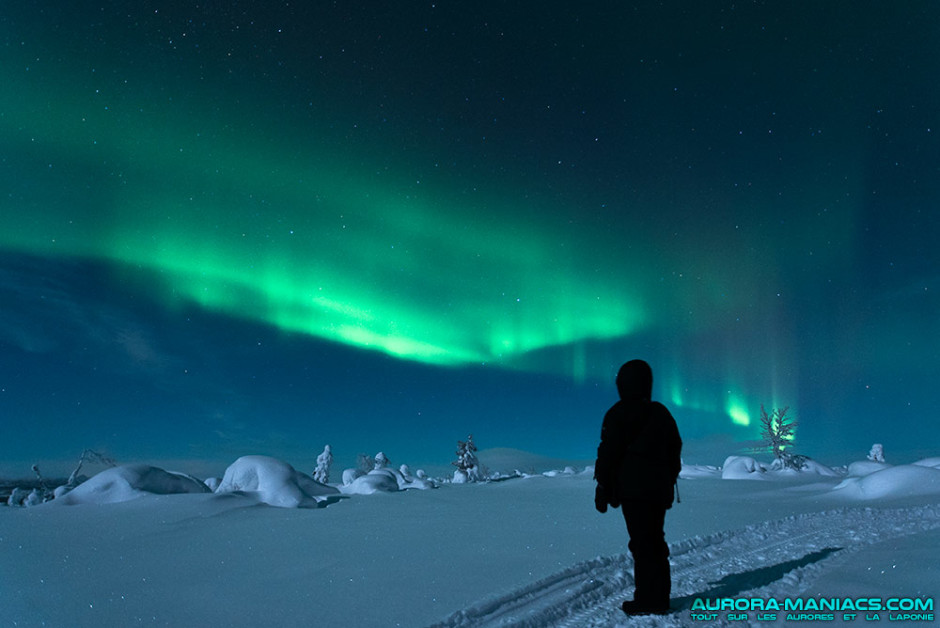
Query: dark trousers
x=645 y=521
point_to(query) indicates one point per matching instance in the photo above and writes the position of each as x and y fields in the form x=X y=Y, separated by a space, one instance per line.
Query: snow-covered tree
x=877 y=453
x=779 y=431
x=324 y=462
x=381 y=460
x=468 y=467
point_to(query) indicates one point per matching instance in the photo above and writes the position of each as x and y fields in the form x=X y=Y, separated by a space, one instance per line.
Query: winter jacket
x=638 y=458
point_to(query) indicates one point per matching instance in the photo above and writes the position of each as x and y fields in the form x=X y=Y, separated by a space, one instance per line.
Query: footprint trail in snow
x=772 y=559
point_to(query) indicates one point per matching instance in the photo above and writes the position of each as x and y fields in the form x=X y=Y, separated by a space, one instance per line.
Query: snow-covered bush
x=382 y=479
x=385 y=480
x=877 y=453
x=350 y=475
x=405 y=471
x=35 y=498
x=381 y=460
x=324 y=463
x=18 y=497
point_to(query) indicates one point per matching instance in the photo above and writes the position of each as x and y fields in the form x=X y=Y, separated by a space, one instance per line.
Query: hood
x=635 y=380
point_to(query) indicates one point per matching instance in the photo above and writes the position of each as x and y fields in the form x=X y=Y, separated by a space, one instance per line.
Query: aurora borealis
x=260 y=227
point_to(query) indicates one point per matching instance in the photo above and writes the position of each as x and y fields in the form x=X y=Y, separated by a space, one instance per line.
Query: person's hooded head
x=635 y=381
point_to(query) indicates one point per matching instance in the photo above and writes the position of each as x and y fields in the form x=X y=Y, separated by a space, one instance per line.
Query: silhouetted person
x=638 y=462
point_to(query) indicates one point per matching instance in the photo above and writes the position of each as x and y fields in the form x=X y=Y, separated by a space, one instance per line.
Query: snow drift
x=274 y=482
x=381 y=481
x=907 y=480
x=746 y=468
x=127 y=482
x=742 y=468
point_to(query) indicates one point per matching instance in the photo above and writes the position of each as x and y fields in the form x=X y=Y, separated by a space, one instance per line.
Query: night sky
x=235 y=227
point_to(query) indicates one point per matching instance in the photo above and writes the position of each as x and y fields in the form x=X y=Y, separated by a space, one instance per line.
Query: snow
x=273 y=482
x=901 y=481
x=140 y=545
x=376 y=481
x=746 y=468
x=124 y=483
x=743 y=468
x=383 y=481
x=811 y=466
x=862 y=468
x=699 y=471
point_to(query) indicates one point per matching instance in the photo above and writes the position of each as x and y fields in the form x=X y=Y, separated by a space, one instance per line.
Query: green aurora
x=741 y=233
x=314 y=248
x=307 y=243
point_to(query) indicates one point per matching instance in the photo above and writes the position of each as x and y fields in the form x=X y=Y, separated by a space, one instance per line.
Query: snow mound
x=382 y=481
x=127 y=482
x=375 y=481
x=745 y=468
x=900 y=481
x=742 y=468
x=928 y=462
x=274 y=482
x=862 y=468
x=814 y=468
x=697 y=471
x=554 y=473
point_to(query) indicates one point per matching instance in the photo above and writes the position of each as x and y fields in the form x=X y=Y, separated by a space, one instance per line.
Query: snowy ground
x=529 y=551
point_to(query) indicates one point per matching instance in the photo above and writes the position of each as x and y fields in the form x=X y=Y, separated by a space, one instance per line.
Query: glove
x=600 y=499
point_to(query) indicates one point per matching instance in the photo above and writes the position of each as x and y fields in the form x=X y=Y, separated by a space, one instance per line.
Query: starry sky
x=232 y=227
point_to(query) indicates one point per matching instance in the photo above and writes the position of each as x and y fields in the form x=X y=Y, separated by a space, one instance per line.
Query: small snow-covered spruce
x=877 y=453
x=468 y=467
x=779 y=431
x=324 y=463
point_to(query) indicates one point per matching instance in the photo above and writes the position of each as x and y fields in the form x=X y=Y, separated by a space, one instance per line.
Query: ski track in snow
x=771 y=559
